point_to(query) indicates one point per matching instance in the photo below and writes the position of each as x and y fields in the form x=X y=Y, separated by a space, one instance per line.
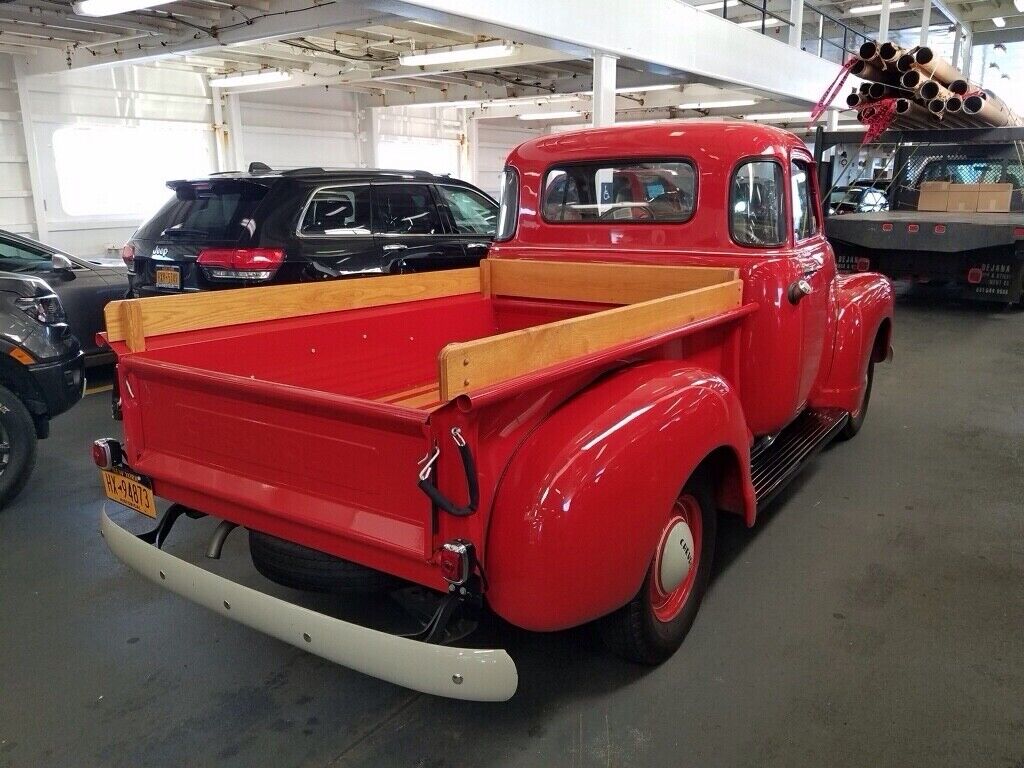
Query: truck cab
x=659 y=335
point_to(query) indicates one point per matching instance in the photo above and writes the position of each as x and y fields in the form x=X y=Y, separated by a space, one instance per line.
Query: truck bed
x=303 y=410
x=958 y=232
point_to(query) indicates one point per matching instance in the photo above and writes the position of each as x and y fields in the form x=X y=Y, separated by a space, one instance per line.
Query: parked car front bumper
x=458 y=673
x=61 y=383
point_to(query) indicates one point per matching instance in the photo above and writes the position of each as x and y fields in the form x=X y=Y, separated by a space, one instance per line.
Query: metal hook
x=428 y=462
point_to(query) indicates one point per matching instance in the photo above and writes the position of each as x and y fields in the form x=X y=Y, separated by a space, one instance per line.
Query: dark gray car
x=84 y=285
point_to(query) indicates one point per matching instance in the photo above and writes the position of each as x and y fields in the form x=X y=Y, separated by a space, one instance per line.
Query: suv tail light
x=240 y=263
x=128 y=255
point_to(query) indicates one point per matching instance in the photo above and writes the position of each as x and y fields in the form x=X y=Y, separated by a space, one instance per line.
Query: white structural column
x=604 y=90
x=926 y=20
x=221 y=139
x=968 y=46
x=235 y=155
x=796 y=18
x=21 y=79
x=957 y=41
x=366 y=131
x=883 y=21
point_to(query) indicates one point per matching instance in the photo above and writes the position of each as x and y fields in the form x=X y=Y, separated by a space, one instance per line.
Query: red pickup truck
x=659 y=335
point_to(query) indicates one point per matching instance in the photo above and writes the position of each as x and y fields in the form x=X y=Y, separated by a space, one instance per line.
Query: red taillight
x=940 y=229
x=106 y=452
x=974 y=275
x=862 y=264
x=1018 y=233
x=913 y=228
x=240 y=263
x=128 y=255
x=887 y=227
x=455 y=561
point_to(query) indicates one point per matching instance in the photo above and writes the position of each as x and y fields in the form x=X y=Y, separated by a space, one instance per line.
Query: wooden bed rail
x=133 y=320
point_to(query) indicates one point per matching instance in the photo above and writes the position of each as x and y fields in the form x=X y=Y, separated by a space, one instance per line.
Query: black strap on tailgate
x=427 y=485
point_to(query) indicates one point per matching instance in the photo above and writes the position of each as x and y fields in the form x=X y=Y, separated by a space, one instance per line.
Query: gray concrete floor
x=873 y=617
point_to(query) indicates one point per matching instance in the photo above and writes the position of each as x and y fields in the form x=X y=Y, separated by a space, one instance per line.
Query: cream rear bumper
x=458 y=673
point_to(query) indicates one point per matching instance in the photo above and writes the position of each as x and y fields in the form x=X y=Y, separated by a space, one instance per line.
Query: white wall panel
x=494 y=142
x=16 y=213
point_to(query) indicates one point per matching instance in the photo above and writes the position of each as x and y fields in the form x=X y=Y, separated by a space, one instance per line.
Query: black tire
x=634 y=632
x=19 y=434
x=293 y=565
x=854 y=423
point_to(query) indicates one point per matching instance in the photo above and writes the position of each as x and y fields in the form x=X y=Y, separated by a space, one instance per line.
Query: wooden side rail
x=133 y=320
x=470 y=365
x=601 y=283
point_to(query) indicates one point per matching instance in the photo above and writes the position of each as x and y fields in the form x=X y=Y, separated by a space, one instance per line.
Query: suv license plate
x=168 y=277
x=127 y=488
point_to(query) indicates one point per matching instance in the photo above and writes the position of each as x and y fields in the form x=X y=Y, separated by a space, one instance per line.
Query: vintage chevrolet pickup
x=659 y=335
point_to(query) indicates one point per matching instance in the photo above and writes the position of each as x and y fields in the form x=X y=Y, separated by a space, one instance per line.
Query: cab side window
x=337 y=212
x=756 y=210
x=805 y=224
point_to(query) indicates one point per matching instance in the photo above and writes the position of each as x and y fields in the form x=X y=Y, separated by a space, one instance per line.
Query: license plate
x=132 y=490
x=168 y=277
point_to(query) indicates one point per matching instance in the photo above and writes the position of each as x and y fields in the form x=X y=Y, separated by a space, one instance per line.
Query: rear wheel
x=17 y=445
x=856 y=420
x=651 y=627
x=293 y=565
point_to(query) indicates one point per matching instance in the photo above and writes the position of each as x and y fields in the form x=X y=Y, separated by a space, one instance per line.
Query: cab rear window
x=637 y=192
x=205 y=210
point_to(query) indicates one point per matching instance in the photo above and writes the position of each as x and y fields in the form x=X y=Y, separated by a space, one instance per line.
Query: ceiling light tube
x=999 y=21
x=453 y=55
x=718 y=104
x=250 y=78
x=779 y=116
x=717 y=6
x=110 y=7
x=645 y=88
x=550 y=115
x=770 y=21
x=876 y=8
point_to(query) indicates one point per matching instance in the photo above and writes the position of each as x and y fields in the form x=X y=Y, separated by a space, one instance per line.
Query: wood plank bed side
x=602 y=283
x=133 y=320
x=470 y=365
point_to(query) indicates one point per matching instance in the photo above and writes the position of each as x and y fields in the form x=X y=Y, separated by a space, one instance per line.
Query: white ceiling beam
x=295 y=18
x=67 y=20
x=652 y=32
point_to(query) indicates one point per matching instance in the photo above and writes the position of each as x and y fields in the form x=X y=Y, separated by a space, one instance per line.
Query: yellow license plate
x=168 y=277
x=128 y=489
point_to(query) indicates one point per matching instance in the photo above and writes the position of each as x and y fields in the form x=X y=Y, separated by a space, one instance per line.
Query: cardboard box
x=994 y=198
x=934 y=196
x=963 y=198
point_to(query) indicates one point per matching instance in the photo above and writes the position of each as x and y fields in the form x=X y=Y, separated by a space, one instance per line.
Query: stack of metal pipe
x=920 y=90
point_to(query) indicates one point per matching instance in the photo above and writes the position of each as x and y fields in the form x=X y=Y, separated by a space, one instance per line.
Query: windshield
x=205 y=210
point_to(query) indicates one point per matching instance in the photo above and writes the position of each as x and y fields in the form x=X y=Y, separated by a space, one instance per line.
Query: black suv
x=265 y=227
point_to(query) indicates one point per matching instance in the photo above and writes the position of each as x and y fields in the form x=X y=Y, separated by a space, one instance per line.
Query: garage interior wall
x=143 y=125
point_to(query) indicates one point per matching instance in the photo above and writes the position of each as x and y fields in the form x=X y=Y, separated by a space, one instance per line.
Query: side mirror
x=62 y=265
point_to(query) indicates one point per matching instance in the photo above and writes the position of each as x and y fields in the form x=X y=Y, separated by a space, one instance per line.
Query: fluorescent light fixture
x=452 y=55
x=876 y=8
x=770 y=21
x=779 y=116
x=449 y=104
x=999 y=21
x=1019 y=5
x=645 y=88
x=550 y=115
x=110 y=7
x=262 y=77
x=717 y=6
x=718 y=104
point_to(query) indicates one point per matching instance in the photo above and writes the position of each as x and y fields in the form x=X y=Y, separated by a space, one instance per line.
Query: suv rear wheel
x=293 y=565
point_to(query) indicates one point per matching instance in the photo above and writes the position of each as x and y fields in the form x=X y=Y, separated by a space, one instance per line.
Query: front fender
x=864 y=306
x=577 y=515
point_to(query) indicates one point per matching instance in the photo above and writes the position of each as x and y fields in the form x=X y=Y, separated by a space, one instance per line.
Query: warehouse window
x=114 y=170
x=756 y=213
x=620 y=192
x=440 y=156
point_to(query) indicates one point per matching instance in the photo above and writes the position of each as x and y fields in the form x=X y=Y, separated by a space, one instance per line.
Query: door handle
x=798 y=290
x=478 y=245
x=395 y=247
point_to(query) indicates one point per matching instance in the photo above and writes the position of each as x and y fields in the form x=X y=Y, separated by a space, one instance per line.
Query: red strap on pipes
x=878 y=119
x=833 y=90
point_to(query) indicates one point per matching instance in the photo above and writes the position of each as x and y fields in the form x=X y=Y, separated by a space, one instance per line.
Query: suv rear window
x=205 y=210
x=657 y=190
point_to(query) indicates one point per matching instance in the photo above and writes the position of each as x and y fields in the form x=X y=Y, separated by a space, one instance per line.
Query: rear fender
x=864 y=313
x=578 y=513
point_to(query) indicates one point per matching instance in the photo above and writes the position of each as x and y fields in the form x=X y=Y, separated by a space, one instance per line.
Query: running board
x=774 y=464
